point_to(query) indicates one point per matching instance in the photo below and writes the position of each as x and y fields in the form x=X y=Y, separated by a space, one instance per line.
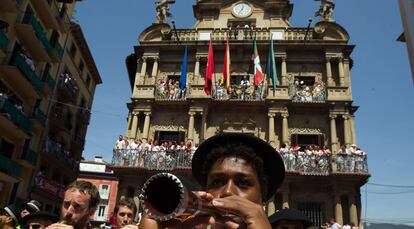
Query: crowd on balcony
x=242 y=91
x=302 y=92
x=28 y=60
x=57 y=149
x=8 y=95
x=66 y=80
x=152 y=154
x=351 y=159
x=170 y=90
x=309 y=159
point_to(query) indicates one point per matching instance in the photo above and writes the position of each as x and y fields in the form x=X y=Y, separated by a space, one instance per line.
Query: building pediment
x=326 y=30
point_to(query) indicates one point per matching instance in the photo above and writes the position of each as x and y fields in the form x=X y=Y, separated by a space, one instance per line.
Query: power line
x=393 y=186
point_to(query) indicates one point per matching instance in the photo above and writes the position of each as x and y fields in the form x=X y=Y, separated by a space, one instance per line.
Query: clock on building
x=242 y=9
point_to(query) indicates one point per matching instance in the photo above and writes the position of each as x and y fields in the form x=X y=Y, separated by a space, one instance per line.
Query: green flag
x=271 y=67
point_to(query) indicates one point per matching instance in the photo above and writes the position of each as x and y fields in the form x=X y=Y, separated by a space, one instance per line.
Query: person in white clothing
x=333 y=224
x=346 y=226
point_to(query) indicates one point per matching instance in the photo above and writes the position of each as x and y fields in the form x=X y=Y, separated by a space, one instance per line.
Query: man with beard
x=239 y=173
x=79 y=204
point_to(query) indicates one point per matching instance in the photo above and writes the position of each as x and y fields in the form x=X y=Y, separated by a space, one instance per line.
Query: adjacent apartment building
x=47 y=84
x=98 y=173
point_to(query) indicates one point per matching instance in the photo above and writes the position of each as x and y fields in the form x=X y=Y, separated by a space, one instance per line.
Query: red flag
x=255 y=67
x=226 y=66
x=209 y=69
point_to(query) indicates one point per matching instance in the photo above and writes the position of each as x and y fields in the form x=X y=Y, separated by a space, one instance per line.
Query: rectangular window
x=6 y=148
x=166 y=136
x=305 y=80
x=304 y=140
x=81 y=67
x=104 y=191
x=314 y=212
x=101 y=211
x=73 y=50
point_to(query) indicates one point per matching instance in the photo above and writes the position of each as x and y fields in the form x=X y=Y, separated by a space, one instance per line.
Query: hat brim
x=290 y=215
x=39 y=215
x=273 y=164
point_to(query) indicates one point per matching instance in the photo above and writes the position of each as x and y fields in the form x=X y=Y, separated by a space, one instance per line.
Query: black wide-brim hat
x=290 y=215
x=40 y=215
x=273 y=164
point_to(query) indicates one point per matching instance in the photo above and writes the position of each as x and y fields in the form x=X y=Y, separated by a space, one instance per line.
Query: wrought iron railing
x=170 y=93
x=66 y=82
x=30 y=75
x=49 y=186
x=56 y=150
x=302 y=163
x=307 y=164
x=238 y=92
x=307 y=94
x=153 y=160
x=351 y=163
x=9 y=110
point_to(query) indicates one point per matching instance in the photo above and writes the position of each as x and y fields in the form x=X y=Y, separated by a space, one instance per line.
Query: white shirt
x=335 y=226
x=120 y=144
x=346 y=227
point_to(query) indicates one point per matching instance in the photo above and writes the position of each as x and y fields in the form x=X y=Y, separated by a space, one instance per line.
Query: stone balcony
x=313 y=164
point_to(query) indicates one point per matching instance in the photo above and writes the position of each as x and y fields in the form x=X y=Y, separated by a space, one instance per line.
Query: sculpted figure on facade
x=163 y=10
x=326 y=10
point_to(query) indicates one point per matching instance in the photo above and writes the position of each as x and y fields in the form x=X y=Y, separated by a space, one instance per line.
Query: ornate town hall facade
x=311 y=106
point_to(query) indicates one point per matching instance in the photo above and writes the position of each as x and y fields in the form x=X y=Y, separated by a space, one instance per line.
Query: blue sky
x=381 y=85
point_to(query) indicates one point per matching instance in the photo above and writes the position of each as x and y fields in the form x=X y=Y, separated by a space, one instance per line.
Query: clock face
x=242 y=9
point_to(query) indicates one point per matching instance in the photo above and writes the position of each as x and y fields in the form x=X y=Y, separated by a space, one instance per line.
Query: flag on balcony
x=183 y=77
x=227 y=66
x=255 y=67
x=209 y=69
x=271 y=66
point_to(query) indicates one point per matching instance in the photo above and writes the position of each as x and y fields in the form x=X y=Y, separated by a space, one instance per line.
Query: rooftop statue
x=326 y=10
x=163 y=10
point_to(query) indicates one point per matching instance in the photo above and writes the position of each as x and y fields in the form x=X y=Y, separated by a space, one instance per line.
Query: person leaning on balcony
x=125 y=211
x=239 y=173
x=79 y=204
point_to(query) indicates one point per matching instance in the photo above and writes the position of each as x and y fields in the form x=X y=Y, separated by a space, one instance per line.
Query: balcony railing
x=302 y=163
x=28 y=72
x=49 y=186
x=4 y=41
x=153 y=160
x=10 y=111
x=307 y=94
x=50 y=81
x=240 y=34
x=40 y=116
x=40 y=33
x=66 y=82
x=9 y=166
x=238 y=92
x=351 y=163
x=56 y=150
x=30 y=156
x=170 y=93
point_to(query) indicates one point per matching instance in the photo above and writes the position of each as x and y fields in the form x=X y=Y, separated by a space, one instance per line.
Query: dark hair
x=238 y=150
x=86 y=187
x=126 y=202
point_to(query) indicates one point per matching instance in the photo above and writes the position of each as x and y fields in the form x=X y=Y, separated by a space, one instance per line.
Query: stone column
x=285 y=200
x=129 y=124
x=271 y=208
x=341 y=71
x=285 y=128
x=146 y=126
x=271 y=128
x=155 y=67
x=334 y=138
x=329 y=78
x=203 y=125
x=347 y=128
x=190 y=131
x=284 y=71
x=338 y=209
x=197 y=66
x=347 y=74
x=144 y=66
x=353 y=132
x=134 y=127
x=353 y=213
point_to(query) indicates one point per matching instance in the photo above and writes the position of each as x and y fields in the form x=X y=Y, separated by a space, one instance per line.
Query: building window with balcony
x=170 y=136
x=304 y=140
x=6 y=148
x=101 y=211
x=81 y=67
x=306 y=89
